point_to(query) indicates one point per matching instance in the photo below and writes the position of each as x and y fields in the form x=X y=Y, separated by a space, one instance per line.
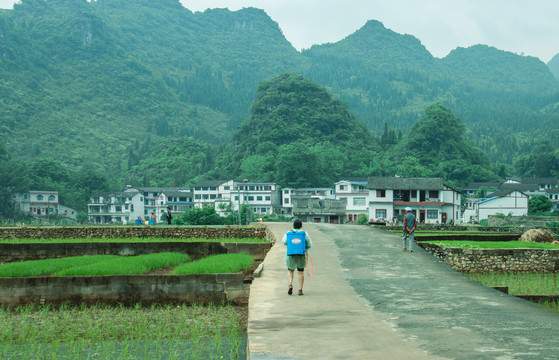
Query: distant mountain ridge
x=100 y=83
x=553 y=65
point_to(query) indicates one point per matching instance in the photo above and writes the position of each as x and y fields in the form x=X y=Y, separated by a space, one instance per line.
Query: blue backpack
x=296 y=243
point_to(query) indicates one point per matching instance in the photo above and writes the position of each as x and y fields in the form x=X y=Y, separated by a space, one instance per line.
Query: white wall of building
x=515 y=203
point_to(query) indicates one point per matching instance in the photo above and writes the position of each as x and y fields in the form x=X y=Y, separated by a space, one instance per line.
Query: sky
x=519 y=26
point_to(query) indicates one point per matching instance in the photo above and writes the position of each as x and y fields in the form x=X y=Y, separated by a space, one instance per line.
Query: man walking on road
x=409 y=227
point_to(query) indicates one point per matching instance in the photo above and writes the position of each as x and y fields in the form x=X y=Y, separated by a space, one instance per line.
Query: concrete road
x=369 y=300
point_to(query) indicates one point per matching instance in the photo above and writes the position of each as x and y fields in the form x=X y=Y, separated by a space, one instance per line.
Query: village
x=381 y=199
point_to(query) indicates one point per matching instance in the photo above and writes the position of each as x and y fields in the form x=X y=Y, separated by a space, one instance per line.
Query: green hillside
x=148 y=93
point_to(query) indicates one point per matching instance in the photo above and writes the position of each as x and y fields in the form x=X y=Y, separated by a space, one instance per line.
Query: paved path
x=369 y=300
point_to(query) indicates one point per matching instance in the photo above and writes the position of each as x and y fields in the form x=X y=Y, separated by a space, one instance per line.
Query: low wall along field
x=496 y=260
x=202 y=288
x=173 y=232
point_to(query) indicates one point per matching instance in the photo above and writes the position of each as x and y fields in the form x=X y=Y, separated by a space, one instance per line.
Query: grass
x=93 y=265
x=109 y=332
x=224 y=263
x=493 y=244
x=130 y=240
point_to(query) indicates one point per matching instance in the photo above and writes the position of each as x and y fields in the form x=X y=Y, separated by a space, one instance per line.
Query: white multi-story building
x=115 y=208
x=212 y=193
x=156 y=200
x=290 y=194
x=177 y=199
x=263 y=198
x=43 y=204
x=431 y=200
x=38 y=203
x=135 y=204
x=357 y=195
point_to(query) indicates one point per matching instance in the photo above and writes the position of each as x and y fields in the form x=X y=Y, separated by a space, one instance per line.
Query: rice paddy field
x=517 y=283
x=170 y=331
x=523 y=284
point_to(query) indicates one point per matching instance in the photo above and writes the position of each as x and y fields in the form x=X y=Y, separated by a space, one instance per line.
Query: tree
x=81 y=217
x=13 y=179
x=539 y=204
x=297 y=166
x=198 y=216
x=436 y=146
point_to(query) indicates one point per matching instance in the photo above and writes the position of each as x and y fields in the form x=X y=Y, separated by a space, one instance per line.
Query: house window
x=197 y=196
x=433 y=194
x=432 y=214
x=358 y=201
x=286 y=201
x=263 y=210
x=342 y=187
x=268 y=198
x=52 y=198
x=39 y=197
x=226 y=188
x=380 y=213
x=381 y=193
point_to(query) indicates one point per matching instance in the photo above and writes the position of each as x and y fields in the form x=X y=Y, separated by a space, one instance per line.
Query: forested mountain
x=299 y=136
x=553 y=65
x=125 y=88
x=86 y=81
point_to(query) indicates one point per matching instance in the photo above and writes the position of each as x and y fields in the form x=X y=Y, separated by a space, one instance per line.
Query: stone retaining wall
x=77 y=232
x=127 y=290
x=473 y=229
x=496 y=260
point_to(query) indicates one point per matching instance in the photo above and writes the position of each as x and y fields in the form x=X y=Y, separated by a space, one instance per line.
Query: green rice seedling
x=140 y=332
x=48 y=266
x=224 y=263
x=131 y=265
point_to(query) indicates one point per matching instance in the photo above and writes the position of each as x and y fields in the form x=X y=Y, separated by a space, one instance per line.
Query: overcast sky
x=519 y=26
